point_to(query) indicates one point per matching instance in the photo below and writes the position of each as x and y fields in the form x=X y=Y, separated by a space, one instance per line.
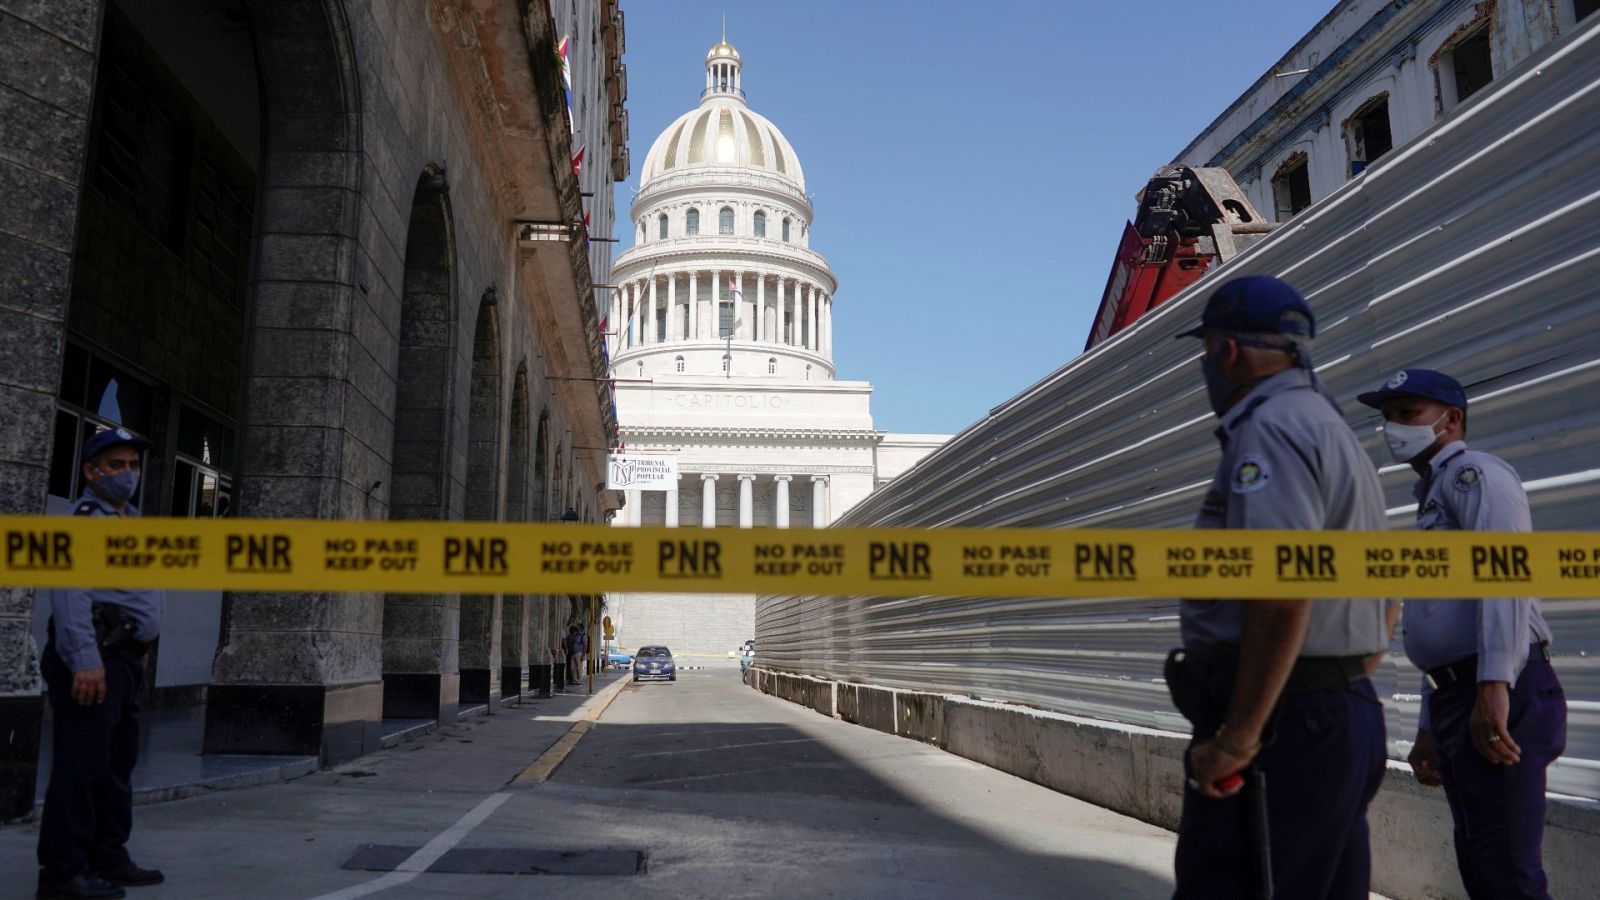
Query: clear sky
x=972 y=163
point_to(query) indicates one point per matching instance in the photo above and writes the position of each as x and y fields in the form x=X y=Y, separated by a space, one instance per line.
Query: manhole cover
x=504 y=861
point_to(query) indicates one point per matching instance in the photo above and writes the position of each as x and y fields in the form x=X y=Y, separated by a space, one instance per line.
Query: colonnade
x=746 y=509
x=794 y=313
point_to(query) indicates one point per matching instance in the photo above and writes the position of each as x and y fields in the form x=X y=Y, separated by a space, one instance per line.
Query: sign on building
x=626 y=472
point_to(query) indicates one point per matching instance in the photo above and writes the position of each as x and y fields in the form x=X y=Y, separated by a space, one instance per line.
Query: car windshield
x=658 y=652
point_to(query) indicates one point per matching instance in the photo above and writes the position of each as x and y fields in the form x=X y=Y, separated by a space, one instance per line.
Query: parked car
x=744 y=664
x=619 y=658
x=654 y=663
x=744 y=649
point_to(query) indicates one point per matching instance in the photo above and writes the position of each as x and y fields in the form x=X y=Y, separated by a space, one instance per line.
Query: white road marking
x=418 y=862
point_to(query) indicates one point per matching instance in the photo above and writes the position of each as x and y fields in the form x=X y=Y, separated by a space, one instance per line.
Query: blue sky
x=972 y=163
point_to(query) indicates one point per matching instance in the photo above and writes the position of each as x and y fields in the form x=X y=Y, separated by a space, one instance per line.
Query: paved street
x=721 y=791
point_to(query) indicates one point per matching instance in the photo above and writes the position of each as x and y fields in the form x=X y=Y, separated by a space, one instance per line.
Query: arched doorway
x=481 y=613
x=514 y=631
x=421 y=677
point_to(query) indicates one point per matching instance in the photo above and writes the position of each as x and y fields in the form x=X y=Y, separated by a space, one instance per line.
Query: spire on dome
x=722 y=70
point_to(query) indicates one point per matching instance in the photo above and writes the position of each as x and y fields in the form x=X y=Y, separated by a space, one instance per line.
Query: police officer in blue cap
x=93 y=664
x=1493 y=713
x=1278 y=690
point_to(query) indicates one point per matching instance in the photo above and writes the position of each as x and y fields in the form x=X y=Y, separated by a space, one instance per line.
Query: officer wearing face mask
x=93 y=664
x=1493 y=713
x=1277 y=689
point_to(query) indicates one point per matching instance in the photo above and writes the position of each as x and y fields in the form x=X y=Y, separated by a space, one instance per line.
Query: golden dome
x=723 y=48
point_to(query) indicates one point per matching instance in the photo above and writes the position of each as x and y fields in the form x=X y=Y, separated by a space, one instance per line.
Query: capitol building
x=721 y=330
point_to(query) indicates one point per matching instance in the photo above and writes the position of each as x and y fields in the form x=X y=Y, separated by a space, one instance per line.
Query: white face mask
x=1407 y=441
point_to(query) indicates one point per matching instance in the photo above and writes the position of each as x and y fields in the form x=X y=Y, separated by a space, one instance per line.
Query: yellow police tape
x=491 y=558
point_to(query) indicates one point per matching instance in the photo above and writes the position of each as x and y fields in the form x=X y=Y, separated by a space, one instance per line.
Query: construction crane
x=1189 y=219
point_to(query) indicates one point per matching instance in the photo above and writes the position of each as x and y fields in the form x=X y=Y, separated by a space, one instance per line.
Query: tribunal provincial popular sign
x=298 y=555
x=632 y=472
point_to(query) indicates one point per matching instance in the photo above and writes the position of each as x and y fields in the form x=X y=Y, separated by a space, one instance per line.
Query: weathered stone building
x=330 y=256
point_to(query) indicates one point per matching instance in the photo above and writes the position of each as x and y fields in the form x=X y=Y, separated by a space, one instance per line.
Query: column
x=694 y=306
x=783 y=315
x=803 y=318
x=652 y=336
x=673 y=326
x=814 y=336
x=672 y=508
x=718 y=290
x=633 y=314
x=827 y=325
x=819 y=501
x=781 y=503
x=635 y=508
x=761 y=303
x=708 y=501
x=746 y=500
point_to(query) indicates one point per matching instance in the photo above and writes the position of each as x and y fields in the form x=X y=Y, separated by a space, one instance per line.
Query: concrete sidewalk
x=223 y=835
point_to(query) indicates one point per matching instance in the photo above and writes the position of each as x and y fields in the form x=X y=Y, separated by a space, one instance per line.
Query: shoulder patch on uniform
x=86 y=508
x=1468 y=477
x=1250 y=474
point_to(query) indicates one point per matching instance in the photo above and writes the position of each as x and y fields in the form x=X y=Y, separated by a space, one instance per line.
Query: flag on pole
x=733 y=288
x=566 y=79
x=577 y=160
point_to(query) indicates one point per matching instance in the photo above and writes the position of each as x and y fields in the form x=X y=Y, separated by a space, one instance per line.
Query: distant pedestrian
x=1277 y=690
x=93 y=665
x=572 y=654
x=1493 y=713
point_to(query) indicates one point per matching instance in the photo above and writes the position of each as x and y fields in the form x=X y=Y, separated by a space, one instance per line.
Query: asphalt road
x=699 y=788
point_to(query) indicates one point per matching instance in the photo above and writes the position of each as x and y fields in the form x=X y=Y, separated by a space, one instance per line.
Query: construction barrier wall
x=1474 y=248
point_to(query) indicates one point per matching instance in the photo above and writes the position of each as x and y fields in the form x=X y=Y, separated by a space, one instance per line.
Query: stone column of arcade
x=671 y=510
x=781 y=503
x=746 y=500
x=302 y=673
x=708 y=501
x=819 y=501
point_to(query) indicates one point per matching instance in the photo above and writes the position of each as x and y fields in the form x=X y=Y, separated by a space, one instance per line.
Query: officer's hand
x=1211 y=764
x=89 y=686
x=1424 y=759
x=1488 y=724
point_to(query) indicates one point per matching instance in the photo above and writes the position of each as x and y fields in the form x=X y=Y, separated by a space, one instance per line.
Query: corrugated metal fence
x=1474 y=248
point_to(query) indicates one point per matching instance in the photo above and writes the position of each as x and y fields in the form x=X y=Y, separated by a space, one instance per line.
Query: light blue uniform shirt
x=73 y=608
x=1289 y=461
x=1466 y=490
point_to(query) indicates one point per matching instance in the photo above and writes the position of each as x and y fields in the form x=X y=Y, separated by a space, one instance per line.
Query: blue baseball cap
x=101 y=441
x=1257 y=304
x=1425 y=383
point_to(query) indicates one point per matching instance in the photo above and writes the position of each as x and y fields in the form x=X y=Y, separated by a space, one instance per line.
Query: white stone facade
x=721 y=331
x=1299 y=132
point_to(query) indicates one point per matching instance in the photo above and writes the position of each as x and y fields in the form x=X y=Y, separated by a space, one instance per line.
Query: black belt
x=1465 y=669
x=1318 y=673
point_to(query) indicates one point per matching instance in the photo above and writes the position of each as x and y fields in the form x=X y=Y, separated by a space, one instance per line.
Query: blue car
x=654 y=663
x=619 y=658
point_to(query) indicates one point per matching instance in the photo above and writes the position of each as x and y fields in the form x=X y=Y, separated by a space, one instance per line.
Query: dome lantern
x=723 y=79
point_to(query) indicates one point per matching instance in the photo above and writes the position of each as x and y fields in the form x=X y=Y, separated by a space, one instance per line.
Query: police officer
x=1493 y=713
x=1277 y=689
x=93 y=664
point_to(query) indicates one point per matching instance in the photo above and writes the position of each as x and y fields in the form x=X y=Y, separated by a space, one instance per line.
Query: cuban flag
x=577 y=160
x=566 y=78
x=733 y=288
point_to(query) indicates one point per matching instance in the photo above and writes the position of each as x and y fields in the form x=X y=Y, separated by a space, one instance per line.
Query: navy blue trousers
x=1499 y=810
x=1323 y=766
x=88 y=807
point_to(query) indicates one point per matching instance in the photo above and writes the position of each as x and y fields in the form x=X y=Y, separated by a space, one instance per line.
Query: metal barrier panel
x=1474 y=248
